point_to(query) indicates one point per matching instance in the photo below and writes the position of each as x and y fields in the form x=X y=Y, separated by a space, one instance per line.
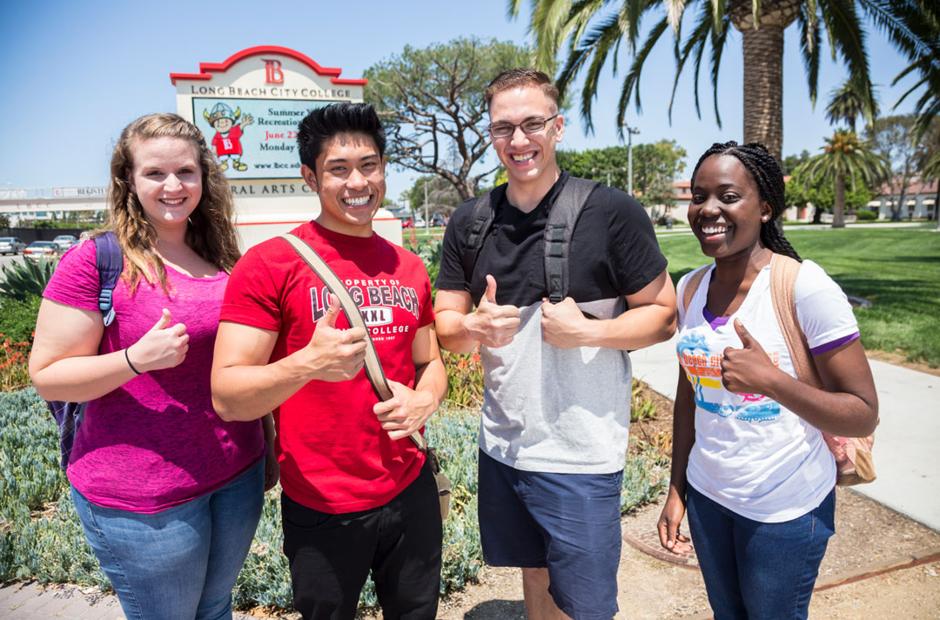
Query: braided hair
x=768 y=176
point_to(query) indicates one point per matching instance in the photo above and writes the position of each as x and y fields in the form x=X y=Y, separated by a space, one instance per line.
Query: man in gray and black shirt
x=556 y=406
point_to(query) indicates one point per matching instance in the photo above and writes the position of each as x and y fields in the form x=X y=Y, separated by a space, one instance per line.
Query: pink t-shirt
x=156 y=441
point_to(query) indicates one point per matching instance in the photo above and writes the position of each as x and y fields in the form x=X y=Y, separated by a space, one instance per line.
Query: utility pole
x=426 y=218
x=631 y=131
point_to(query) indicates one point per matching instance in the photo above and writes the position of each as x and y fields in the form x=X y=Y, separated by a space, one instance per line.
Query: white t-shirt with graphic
x=751 y=455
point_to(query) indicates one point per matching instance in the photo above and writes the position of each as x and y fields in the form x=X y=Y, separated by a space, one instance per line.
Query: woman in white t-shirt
x=749 y=462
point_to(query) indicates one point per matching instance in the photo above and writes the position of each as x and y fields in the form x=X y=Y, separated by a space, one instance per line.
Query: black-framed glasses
x=528 y=126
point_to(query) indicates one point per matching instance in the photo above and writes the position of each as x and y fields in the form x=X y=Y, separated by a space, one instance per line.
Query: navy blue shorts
x=568 y=523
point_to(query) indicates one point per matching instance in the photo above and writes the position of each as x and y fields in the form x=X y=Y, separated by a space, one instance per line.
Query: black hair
x=768 y=176
x=323 y=123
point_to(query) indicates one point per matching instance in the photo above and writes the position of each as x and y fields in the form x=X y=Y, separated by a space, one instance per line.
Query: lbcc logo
x=272 y=71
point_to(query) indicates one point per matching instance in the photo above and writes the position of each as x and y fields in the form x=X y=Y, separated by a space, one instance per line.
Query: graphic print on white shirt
x=752 y=455
x=703 y=370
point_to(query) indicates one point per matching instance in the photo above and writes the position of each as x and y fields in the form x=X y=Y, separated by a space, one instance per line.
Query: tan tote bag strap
x=691 y=286
x=373 y=366
x=783 y=273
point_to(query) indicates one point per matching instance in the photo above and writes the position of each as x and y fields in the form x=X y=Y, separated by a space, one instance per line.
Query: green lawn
x=898 y=270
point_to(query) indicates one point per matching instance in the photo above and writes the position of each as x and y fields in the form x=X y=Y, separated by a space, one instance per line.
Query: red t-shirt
x=228 y=143
x=333 y=453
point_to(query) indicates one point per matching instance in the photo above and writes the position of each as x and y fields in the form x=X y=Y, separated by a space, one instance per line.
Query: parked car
x=438 y=219
x=407 y=222
x=11 y=245
x=41 y=249
x=65 y=241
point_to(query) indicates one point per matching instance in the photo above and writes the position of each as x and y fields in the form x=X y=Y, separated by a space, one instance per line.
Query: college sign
x=249 y=105
x=248 y=108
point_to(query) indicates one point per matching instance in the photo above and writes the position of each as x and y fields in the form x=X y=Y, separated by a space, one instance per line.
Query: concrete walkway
x=907 y=457
x=29 y=601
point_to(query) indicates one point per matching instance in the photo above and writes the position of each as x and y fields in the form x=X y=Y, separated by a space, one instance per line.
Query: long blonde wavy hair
x=211 y=230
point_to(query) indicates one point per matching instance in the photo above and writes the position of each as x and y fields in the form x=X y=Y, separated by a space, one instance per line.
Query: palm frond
x=674 y=11
x=719 y=38
x=847 y=36
x=602 y=39
x=694 y=44
x=911 y=26
x=810 y=40
x=719 y=15
x=632 y=80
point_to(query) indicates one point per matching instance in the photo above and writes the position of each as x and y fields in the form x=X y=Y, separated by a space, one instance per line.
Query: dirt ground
x=870 y=538
x=880 y=564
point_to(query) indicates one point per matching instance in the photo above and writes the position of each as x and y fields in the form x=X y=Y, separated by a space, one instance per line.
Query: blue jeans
x=180 y=563
x=757 y=570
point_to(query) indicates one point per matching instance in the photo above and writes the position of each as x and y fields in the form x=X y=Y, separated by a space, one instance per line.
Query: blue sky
x=75 y=73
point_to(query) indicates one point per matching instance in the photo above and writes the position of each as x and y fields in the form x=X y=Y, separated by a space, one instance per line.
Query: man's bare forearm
x=242 y=393
x=634 y=329
x=451 y=333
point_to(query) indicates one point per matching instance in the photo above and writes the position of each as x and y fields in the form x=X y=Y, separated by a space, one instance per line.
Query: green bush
x=866 y=215
x=17 y=321
x=18 y=317
x=41 y=538
x=24 y=278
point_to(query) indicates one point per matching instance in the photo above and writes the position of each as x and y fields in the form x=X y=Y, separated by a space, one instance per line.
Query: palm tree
x=850 y=101
x=844 y=157
x=596 y=29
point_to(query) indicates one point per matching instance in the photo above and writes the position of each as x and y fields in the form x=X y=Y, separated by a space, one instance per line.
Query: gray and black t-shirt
x=549 y=409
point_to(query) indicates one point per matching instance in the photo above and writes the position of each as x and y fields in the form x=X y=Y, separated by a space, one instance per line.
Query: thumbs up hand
x=563 y=323
x=163 y=346
x=491 y=324
x=747 y=370
x=334 y=354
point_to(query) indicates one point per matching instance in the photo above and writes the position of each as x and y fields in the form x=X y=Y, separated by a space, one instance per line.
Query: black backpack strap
x=481 y=222
x=110 y=262
x=562 y=218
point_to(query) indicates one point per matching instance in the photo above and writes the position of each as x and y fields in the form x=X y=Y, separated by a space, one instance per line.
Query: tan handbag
x=853 y=455
x=373 y=366
x=854 y=463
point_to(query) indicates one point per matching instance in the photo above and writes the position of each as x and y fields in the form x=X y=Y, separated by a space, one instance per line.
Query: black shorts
x=331 y=555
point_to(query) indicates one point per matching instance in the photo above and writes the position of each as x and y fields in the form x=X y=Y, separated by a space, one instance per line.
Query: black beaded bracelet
x=127 y=357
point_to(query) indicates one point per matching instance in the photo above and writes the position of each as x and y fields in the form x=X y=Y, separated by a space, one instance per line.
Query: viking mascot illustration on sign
x=227 y=140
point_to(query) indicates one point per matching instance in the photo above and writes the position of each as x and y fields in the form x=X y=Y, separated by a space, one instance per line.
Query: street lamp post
x=631 y=131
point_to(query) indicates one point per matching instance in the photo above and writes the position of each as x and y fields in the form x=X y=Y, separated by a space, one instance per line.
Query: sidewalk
x=29 y=601
x=906 y=455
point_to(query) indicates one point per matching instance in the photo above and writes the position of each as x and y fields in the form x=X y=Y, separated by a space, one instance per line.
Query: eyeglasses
x=528 y=126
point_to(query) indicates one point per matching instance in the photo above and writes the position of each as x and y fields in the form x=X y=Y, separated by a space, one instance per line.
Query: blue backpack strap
x=562 y=218
x=110 y=262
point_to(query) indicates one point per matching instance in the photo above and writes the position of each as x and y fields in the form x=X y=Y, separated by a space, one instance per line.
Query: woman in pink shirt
x=169 y=495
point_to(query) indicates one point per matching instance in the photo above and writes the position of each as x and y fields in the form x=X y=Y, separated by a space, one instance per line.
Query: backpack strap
x=110 y=263
x=562 y=218
x=783 y=273
x=373 y=365
x=481 y=222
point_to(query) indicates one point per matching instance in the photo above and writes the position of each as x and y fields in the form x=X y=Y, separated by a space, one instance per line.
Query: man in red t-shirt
x=357 y=494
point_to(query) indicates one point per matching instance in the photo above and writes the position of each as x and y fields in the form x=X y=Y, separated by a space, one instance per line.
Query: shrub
x=430 y=251
x=18 y=317
x=24 y=278
x=464 y=379
x=41 y=538
x=17 y=322
x=641 y=406
x=866 y=215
